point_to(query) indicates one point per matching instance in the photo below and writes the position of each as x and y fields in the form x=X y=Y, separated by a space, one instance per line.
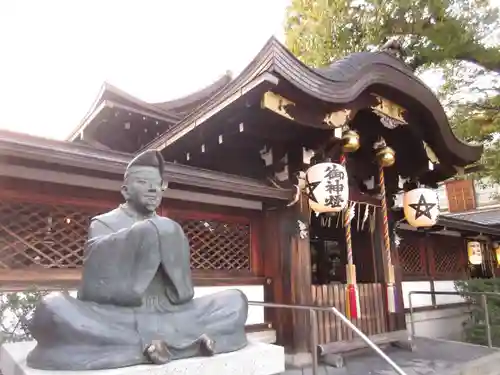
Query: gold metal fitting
x=350 y=141
x=386 y=156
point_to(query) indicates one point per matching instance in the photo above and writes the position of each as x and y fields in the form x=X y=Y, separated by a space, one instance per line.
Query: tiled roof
x=484 y=217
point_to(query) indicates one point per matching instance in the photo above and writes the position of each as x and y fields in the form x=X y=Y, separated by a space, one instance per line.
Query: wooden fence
x=373 y=313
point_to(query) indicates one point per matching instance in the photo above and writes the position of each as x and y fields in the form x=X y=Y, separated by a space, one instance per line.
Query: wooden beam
x=114 y=185
x=342 y=347
x=64 y=153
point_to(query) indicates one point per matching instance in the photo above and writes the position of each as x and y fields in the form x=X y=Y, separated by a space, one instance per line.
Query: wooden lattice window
x=411 y=259
x=43 y=235
x=54 y=235
x=447 y=256
x=217 y=244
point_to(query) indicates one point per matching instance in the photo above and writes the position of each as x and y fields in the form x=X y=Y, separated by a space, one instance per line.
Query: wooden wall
x=372 y=319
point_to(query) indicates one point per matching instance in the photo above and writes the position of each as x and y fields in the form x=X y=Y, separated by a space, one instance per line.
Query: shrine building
x=238 y=154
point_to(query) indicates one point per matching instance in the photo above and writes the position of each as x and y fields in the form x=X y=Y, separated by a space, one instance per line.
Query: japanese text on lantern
x=334 y=186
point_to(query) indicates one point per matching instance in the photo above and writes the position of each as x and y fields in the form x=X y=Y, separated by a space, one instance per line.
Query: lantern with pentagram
x=421 y=207
x=327 y=187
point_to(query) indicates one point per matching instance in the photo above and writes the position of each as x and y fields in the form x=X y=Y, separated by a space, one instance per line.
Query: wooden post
x=300 y=272
x=395 y=321
x=287 y=262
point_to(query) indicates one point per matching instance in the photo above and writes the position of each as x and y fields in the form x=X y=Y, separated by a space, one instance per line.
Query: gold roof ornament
x=391 y=115
x=277 y=103
x=338 y=118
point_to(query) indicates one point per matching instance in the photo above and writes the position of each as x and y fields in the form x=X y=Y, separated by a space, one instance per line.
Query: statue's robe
x=136 y=287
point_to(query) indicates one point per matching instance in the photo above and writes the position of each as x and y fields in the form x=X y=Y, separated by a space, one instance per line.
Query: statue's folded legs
x=87 y=336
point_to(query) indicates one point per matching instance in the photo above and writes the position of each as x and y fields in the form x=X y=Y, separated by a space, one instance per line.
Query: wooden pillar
x=287 y=262
x=395 y=321
x=289 y=265
x=300 y=271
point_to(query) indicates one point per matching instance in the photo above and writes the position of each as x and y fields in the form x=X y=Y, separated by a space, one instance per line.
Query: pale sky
x=55 y=54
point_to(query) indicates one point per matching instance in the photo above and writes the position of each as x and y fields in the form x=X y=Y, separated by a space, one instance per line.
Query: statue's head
x=143 y=182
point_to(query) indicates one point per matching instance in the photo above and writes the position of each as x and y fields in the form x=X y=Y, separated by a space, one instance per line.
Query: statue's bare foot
x=207 y=345
x=157 y=352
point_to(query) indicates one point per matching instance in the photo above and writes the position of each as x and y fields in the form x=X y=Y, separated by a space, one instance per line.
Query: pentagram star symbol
x=310 y=189
x=419 y=211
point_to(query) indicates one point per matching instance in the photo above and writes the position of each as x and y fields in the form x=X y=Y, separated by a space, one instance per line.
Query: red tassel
x=352 y=302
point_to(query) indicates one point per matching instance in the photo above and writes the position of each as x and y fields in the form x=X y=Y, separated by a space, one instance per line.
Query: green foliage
x=319 y=31
x=475 y=328
x=457 y=38
x=15 y=307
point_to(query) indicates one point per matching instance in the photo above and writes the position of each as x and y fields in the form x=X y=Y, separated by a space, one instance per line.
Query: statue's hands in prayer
x=150 y=228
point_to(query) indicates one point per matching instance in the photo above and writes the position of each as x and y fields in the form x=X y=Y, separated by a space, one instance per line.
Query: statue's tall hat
x=148 y=158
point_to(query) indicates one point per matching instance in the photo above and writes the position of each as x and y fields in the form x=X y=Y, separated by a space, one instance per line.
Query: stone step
x=256 y=359
x=267 y=336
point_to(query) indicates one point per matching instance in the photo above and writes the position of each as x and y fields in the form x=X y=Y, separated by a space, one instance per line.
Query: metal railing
x=484 y=304
x=313 y=322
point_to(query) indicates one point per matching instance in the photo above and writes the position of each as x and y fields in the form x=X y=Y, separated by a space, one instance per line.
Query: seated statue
x=135 y=304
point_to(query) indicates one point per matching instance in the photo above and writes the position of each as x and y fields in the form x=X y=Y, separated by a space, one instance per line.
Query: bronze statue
x=135 y=304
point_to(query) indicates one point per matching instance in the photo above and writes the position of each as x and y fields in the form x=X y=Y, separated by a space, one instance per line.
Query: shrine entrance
x=328 y=273
x=328 y=249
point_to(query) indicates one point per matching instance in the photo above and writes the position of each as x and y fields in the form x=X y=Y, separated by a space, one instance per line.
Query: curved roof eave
x=171 y=110
x=327 y=85
x=141 y=104
x=137 y=104
x=185 y=104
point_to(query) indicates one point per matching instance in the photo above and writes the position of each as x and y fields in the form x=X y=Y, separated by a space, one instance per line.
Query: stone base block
x=255 y=359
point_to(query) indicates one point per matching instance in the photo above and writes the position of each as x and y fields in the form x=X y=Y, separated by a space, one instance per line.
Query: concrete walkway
x=432 y=357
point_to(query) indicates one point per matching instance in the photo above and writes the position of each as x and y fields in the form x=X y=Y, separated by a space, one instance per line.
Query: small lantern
x=474 y=252
x=421 y=207
x=496 y=247
x=351 y=141
x=327 y=187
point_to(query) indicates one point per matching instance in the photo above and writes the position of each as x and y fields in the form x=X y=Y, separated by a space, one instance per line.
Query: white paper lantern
x=474 y=252
x=421 y=207
x=327 y=187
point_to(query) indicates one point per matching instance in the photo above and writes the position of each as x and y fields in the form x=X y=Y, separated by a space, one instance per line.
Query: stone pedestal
x=255 y=359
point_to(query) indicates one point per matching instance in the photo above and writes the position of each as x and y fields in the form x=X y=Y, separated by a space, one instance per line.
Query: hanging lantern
x=474 y=252
x=421 y=207
x=351 y=141
x=496 y=247
x=327 y=187
x=386 y=156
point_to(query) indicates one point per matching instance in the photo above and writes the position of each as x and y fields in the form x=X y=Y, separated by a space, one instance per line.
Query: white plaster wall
x=444 y=323
x=446 y=286
x=485 y=195
x=443 y=198
x=418 y=300
x=253 y=293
